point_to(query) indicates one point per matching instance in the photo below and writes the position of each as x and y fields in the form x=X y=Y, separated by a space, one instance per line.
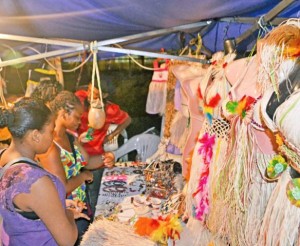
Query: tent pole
x=40 y=56
x=252 y=20
x=104 y=42
x=41 y=40
x=154 y=33
x=269 y=16
x=80 y=45
x=150 y=54
x=103 y=48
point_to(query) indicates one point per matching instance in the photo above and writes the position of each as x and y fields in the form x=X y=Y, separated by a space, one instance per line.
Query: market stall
x=226 y=171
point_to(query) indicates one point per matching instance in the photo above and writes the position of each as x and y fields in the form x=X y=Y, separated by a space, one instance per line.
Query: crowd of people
x=49 y=180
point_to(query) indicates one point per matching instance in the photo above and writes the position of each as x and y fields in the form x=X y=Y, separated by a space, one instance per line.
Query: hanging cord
x=65 y=70
x=136 y=62
x=1 y=89
x=2 y=83
x=197 y=42
x=49 y=63
x=261 y=23
x=83 y=57
x=94 y=51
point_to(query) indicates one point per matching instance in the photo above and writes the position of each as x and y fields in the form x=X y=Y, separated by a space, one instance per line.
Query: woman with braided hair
x=66 y=158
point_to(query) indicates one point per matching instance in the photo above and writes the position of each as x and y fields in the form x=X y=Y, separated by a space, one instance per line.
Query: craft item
x=159 y=230
x=109 y=233
x=159 y=177
x=293 y=191
x=96 y=116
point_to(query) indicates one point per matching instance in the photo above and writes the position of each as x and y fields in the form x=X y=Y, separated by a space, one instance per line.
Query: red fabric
x=114 y=115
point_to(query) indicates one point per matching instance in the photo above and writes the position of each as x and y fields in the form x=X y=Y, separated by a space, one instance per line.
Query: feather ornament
x=159 y=230
x=146 y=226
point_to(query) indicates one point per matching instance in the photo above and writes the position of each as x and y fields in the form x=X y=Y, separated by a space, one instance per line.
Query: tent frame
x=80 y=46
x=77 y=46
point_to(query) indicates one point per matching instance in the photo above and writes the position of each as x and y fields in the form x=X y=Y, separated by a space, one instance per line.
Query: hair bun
x=6 y=118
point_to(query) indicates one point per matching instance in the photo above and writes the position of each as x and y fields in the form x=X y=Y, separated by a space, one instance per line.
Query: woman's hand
x=78 y=205
x=76 y=208
x=83 y=137
x=108 y=159
x=87 y=175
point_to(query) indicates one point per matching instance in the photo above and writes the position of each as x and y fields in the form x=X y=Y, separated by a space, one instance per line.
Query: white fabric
x=157 y=95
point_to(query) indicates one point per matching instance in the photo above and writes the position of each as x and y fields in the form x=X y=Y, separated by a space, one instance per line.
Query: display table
x=122 y=200
x=122 y=194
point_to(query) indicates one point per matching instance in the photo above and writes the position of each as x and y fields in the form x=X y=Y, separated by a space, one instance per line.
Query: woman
x=66 y=157
x=47 y=91
x=114 y=115
x=32 y=200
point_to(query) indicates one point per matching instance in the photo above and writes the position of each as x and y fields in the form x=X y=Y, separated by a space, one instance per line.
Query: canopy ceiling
x=106 y=19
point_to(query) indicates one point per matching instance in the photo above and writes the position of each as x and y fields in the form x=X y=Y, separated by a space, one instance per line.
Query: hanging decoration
x=276 y=167
x=96 y=115
x=2 y=89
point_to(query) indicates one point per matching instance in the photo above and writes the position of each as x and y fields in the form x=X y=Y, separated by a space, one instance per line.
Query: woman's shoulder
x=21 y=176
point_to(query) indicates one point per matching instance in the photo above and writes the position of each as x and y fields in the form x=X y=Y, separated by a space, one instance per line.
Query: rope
x=135 y=61
x=94 y=51
x=67 y=70
x=2 y=82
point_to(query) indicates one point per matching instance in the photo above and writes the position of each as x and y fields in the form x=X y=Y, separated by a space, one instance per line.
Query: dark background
x=126 y=83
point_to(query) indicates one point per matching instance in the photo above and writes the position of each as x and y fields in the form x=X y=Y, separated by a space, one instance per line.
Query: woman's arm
x=118 y=130
x=43 y=199
x=96 y=161
x=52 y=163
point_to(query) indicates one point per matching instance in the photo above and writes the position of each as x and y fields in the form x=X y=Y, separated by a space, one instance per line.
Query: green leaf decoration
x=231 y=106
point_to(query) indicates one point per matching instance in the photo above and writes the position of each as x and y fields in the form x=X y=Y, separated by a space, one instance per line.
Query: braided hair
x=47 y=90
x=27 y=114
x=65 y=100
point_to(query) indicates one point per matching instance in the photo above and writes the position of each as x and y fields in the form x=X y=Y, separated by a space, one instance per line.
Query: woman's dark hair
x=47 y=90
x=64 y=100
x=26 y=114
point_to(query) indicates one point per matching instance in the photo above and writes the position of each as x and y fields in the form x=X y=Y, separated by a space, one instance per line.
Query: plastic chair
x=113 y=144
x=145 y=144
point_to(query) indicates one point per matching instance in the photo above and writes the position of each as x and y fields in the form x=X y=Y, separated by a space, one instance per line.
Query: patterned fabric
x=16 y=229
x=72 y=168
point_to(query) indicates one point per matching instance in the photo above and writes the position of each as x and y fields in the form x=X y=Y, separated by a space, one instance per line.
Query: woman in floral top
x=66 y=158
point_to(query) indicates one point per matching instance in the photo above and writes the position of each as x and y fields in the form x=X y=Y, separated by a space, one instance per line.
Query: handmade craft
x=190 y=76
x=157 y=95
x=106 y=233
x=159 y=176
x=159 y=230
x=249 y=151
x=208 y=152
x=280 y=105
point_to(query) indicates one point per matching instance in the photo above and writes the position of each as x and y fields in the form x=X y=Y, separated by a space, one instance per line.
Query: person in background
x=32 y=200
x=47 y=91
x=67 y=159
x=114 y=115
